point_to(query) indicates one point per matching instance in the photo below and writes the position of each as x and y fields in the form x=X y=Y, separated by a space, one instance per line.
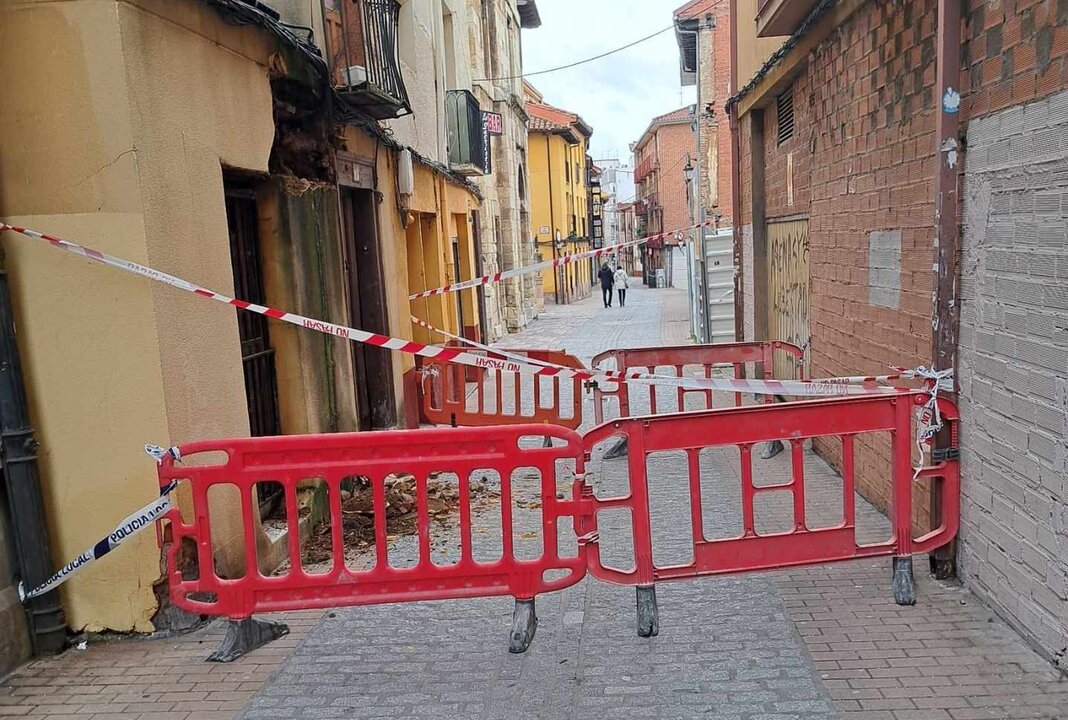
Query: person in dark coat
x=607 y=278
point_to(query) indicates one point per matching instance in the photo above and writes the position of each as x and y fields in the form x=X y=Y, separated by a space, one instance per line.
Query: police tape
x=552 y=264
x=516 y=357
x=795 y=388
x=132 y=525
x=931 y=379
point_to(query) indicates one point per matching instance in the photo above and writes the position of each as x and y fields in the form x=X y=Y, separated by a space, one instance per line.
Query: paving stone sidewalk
x=819 y=642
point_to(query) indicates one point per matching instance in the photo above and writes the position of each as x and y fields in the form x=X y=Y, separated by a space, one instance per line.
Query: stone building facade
x=507 y=242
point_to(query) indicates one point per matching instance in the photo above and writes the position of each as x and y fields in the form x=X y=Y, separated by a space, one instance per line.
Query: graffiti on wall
x=788 y=288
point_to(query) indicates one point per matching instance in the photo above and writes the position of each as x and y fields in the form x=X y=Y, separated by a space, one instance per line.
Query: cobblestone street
x=810 y=643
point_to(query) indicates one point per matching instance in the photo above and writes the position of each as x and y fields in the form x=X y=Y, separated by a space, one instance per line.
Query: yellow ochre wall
x=440 y=211
x=552 y=197
x=751 y=50
x=115 y=122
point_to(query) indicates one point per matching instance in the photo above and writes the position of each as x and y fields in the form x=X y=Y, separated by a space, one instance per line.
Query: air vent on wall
x=785 y=114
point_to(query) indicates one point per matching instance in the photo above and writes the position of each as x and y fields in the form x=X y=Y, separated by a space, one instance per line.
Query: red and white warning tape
x=549 y=264
x=486 y=348
x=447 y=354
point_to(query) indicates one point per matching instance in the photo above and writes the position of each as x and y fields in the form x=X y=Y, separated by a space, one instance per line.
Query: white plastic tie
x=936 y=382
x=157 y=453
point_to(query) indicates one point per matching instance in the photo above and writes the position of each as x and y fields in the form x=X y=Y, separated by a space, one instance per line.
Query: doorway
x=365 y=282
x=788 y=289
x=257 y=355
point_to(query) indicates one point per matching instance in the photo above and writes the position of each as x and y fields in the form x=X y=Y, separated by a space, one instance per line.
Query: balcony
x=645 y=167
x=781 y=17
x=469 y=149
x=362 y=48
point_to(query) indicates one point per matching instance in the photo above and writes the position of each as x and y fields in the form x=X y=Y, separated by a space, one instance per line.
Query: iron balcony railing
x=364 y=52
x=469 y=150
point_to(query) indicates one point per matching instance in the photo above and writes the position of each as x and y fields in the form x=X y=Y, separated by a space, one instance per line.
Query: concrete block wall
x=1014 y=368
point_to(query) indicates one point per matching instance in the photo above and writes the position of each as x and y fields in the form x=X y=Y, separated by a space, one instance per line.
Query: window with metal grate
x=785 y=114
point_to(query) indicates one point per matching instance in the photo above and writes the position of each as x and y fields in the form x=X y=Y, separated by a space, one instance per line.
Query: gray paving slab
x=725 y=650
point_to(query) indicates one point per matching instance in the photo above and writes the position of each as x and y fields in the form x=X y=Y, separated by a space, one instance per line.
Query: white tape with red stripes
x=549 y=264
x=829 y=388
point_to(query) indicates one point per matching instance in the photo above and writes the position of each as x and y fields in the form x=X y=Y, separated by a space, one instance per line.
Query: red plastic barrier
x=744 y=428
x=332 y=459
x=494 y=397
x=677 y=360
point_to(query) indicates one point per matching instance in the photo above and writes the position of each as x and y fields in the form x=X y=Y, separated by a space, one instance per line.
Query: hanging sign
x=494 y=123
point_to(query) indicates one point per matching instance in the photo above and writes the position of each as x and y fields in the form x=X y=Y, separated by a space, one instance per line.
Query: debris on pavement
x=402 y=511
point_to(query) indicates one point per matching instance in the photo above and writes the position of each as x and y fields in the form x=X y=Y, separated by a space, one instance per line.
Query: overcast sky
x=617 y=95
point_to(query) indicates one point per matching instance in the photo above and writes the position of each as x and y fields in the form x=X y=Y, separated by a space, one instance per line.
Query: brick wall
x=721 y=49
x=675 y=141
x=858 y=165
x=1013 y=52
x=788 y=166
x=865 y=107
x=1014 y=367
x=715 y=154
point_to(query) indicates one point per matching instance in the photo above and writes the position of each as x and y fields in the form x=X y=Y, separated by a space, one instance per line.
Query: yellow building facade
x=147 y=130
x=557 y=148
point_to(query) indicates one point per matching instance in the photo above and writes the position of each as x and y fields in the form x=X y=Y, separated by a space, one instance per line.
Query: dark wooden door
x=460 y=320
x=372 y=367
x=257 y=355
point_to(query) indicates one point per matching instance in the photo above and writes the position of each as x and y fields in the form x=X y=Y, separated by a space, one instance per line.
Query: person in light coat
x=619 y=280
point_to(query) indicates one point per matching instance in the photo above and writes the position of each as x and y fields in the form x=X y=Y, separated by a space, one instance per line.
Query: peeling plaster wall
x=136 y=107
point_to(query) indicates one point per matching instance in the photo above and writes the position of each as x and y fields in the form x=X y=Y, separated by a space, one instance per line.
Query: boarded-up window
x=884 y=268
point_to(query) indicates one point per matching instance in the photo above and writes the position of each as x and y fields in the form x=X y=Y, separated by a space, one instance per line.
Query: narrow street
x=821 y=642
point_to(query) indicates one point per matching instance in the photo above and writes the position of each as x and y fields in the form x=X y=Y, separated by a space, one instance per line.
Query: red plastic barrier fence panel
x=732 y=359
x=729 y=511
x=453 y=396
x=335 y=512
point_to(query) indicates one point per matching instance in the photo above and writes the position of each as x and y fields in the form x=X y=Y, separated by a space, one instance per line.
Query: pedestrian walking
x=607 y=278
x=620 y=282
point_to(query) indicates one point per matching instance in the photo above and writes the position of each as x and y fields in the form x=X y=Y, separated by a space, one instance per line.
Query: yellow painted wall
x=556 y=193
x=420 y=255
x=751 y=50
x=113 y=131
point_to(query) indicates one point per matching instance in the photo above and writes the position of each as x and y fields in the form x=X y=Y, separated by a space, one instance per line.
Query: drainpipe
x=18 y=456
x=736 y=187
x=552 y=217
x=945 y=321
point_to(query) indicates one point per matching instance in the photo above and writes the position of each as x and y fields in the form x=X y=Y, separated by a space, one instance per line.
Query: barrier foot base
x=524 y=625
x=648 y=612
x=244 y=636
x=903 y=586
x=771 y=449
x=618 y=450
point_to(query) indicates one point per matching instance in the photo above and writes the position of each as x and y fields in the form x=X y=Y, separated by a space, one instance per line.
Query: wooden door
x=788 y=289
x=257 y=355
x=376 y=408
